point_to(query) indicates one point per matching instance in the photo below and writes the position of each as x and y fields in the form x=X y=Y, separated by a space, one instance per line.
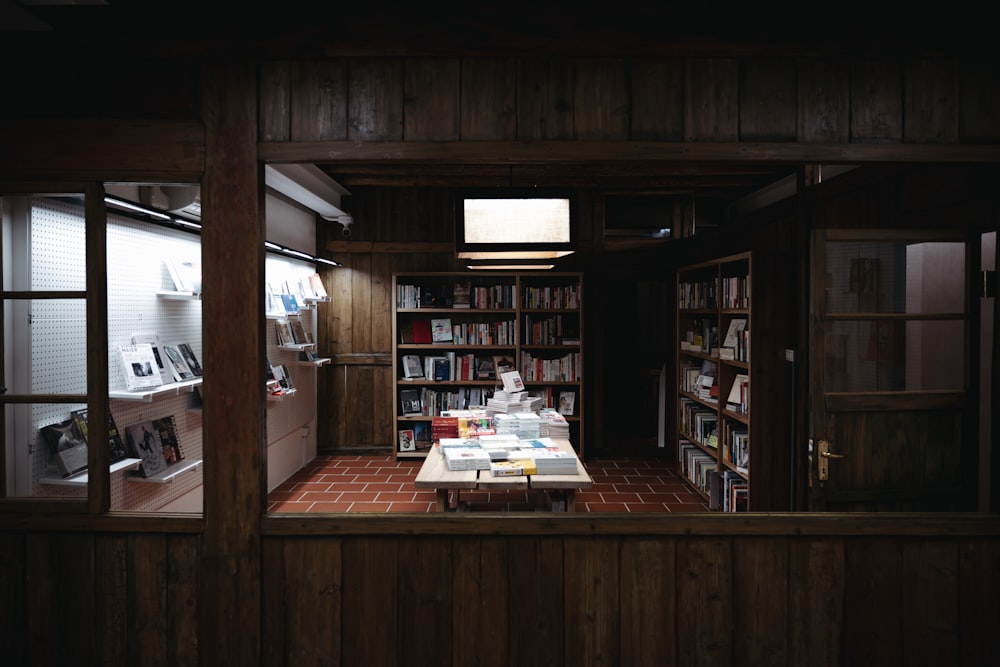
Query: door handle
x=824 y=460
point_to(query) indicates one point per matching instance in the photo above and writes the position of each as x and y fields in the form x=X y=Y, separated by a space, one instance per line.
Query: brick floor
x=379 y=483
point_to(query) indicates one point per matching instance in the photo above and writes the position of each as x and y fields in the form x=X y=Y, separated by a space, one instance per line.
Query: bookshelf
x=714 y=328
x=533 y=321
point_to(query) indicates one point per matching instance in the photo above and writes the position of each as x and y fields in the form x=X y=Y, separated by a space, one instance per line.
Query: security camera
x=345 y=225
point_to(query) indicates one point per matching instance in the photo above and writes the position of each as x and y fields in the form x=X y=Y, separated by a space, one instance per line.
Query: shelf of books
x=455 y=333
x=713 y=362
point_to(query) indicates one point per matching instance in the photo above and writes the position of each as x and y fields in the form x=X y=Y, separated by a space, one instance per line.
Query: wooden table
x=434 y=474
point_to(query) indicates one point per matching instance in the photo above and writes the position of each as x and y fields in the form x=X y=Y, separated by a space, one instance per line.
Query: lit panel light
x=524 y=225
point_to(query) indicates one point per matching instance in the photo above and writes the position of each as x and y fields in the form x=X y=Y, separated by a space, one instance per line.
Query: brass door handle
x=824 y=460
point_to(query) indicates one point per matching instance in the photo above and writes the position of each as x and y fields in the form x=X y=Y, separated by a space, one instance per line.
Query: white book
x=186 y=274
x=166 y=377
x=139 y=366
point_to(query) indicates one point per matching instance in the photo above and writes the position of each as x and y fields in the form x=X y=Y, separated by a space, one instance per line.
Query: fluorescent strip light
x=510 y=267
x=121 y=203
x=514 y=254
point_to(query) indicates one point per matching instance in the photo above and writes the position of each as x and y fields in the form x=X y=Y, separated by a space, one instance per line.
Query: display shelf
x=297 y=346
x=531 y=321
x=167 y=476
x=715 y=445
x=179 y=296
x=274 y=398
x=147 y=395
x=315 y=362
x=82 y=478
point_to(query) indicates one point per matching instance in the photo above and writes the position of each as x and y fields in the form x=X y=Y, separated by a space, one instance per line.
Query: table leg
x=570 y=500
x=442 y=500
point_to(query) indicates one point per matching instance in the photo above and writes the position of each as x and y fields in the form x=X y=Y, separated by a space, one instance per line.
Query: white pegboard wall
x=136 y=273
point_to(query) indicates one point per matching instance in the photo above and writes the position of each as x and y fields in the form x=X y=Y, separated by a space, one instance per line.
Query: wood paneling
x=274 y=100
x=545 y=94
x=823 y=101
x=657 y=99
x=711 y=91
x=318 y=108
x=431 y=99
x=601 y=109
x=767 y=100
x=876 y=102
x=375 y=99
x=489 y=99
x=733 y=593
x=930 y=105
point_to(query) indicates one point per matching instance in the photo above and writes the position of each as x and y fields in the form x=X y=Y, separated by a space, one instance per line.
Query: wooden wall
x=235 y=587
x=468 y=590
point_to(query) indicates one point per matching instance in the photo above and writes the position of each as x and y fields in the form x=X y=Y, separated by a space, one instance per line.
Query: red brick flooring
x=381 y=484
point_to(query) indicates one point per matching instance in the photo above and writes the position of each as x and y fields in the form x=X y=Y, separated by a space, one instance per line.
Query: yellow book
x=512 y=468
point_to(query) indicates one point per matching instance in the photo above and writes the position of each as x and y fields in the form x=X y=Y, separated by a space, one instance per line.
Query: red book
x=421 y=331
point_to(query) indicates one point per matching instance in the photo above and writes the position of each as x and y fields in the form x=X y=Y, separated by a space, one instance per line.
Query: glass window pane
x=46 y=456
x=895 y=355
x=895 y=277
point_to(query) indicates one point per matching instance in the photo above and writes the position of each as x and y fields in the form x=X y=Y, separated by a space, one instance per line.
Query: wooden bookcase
x=533 y=320
x=715 y=439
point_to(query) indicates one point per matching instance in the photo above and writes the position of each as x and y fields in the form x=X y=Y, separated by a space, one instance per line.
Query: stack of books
x=505 y=402
x=525 y=425
x=552 y=424
x=466 y=458
x=551 y=462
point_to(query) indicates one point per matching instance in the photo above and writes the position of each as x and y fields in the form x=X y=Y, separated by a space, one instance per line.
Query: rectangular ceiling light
x=514 y=224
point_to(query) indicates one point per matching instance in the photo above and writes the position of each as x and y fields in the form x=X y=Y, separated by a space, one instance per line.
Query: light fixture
x=510 y=267
x=310 y=186
x=147 y=214
x=509 y=226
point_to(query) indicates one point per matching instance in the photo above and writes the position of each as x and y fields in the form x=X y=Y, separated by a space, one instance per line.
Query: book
x=567 y=401
x=185 y=273
x=144 y=441
x=407 y=442
x=192 y=361
x=298 y=332
x=485 y=369
x=139 y=366
x=732 y=338
x=290 y=303
x=421 y=331
x=283 y=331
x=166 y=377
x=166 y=430
x=409 y=402
x=512 y=381
x=441 y=330
x=512 y=467
x=178 y=366
x=316 y=283
x=67 y=446
x=461 y=293
x=412 y=366
x=116 y=446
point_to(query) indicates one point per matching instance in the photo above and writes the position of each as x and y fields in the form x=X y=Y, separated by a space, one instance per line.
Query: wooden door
x=893 y=413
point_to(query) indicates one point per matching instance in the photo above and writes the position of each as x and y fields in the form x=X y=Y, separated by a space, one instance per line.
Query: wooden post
x=233 y=387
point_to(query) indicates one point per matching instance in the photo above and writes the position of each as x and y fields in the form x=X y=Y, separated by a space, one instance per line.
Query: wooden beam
x=553 y=152
x=164 y=151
